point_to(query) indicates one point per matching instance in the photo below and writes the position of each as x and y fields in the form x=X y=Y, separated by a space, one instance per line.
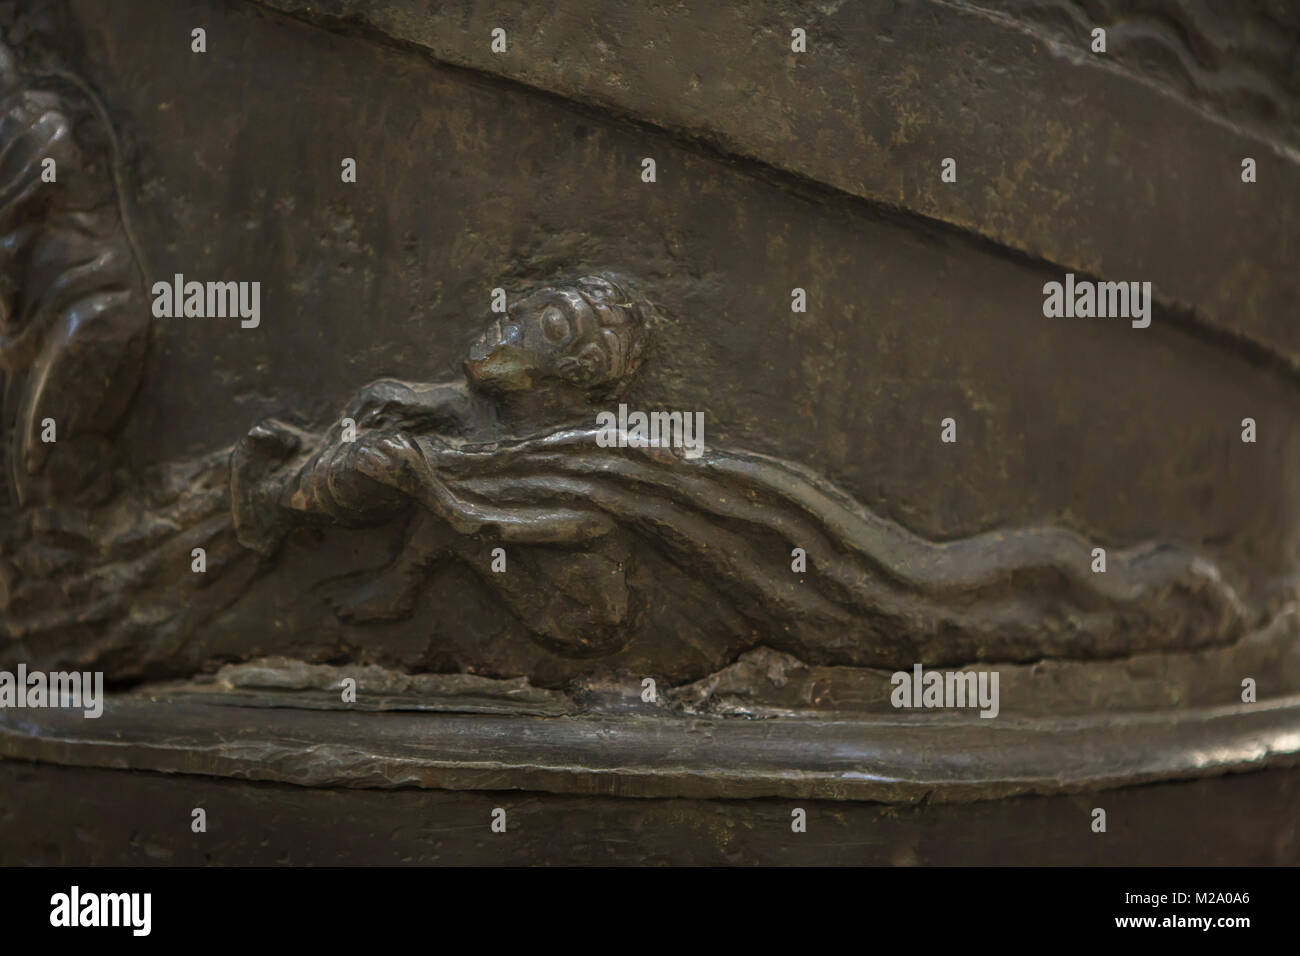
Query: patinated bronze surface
x=616 y=408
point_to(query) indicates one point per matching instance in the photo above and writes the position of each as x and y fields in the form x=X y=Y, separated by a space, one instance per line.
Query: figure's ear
x=567 y=368
x=584 y=368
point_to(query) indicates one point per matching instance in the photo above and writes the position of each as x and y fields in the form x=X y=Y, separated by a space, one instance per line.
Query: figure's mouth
x=501 y=368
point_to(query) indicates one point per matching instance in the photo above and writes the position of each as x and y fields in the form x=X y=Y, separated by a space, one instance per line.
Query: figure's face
x=551 y=334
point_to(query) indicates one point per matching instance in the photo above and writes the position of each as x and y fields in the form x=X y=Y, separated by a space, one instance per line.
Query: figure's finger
x=396 y=446
x=372 y=461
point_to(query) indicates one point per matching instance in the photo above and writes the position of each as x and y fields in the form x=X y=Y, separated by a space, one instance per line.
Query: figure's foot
x=388 y=595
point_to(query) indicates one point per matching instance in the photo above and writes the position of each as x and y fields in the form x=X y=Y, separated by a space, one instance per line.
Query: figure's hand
x=256 y=482
x=270 y=442
x=389 y=458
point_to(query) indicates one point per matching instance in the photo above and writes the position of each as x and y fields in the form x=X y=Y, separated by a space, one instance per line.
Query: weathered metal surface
x=134 y=816
x=387 y=458
x=934 y=760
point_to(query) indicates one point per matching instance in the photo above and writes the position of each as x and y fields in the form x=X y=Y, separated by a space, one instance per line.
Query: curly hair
x=627 y=320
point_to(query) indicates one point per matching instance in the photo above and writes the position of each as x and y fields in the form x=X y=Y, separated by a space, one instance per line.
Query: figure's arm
x=443 y=407
x=409 y=466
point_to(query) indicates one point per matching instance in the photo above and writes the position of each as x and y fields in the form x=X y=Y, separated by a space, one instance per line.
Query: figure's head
x=587 y=333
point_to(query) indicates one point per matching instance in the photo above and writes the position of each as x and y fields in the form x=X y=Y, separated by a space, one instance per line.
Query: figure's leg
x=390 y=594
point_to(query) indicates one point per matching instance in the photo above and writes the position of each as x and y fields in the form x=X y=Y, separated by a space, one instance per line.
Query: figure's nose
x=511 y=334
x=503 y=333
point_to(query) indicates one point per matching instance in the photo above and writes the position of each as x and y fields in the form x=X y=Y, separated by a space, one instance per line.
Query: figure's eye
x=555 y=325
